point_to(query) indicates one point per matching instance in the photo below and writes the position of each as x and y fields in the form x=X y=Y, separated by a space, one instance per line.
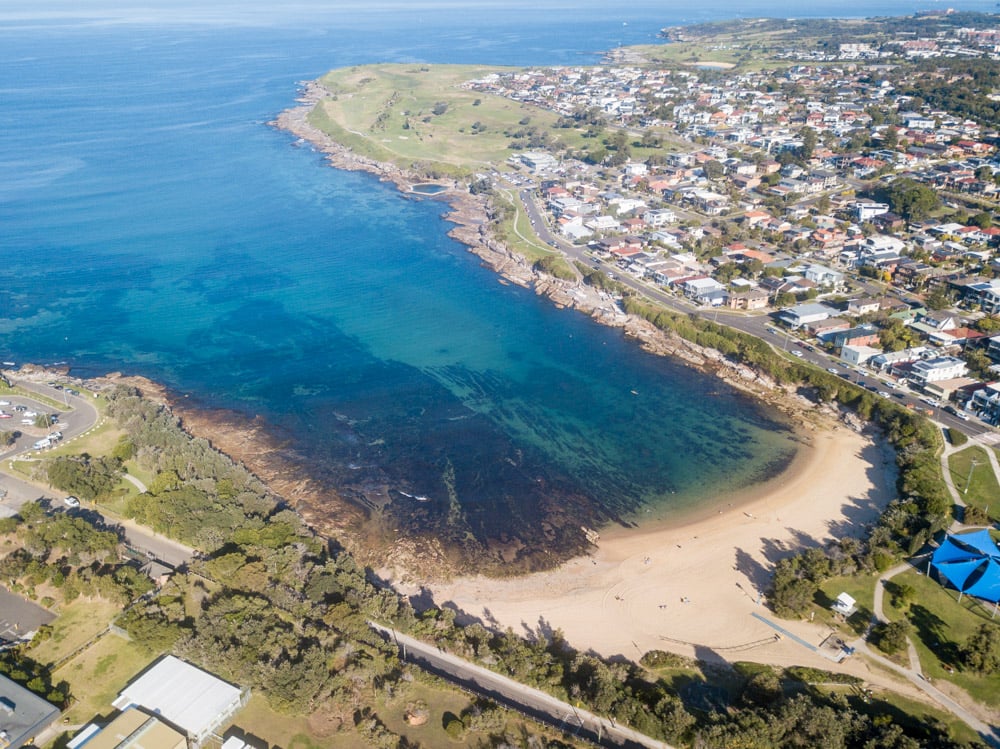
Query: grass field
x=411 y=116
x=974 y=477
x=941 y=625
x=77 y=622
x=421 y=117
x=99 y=673
x=861 y=589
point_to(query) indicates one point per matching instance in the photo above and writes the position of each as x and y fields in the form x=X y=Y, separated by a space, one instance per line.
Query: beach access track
x=529 y=701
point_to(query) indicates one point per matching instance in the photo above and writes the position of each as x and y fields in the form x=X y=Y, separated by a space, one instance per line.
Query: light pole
x=968 y=480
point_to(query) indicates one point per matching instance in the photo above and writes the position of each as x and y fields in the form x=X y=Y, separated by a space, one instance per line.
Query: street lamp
x=968 y=480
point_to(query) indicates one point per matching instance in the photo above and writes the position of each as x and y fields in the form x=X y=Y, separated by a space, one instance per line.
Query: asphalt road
x=76 y=416
x=527 y=700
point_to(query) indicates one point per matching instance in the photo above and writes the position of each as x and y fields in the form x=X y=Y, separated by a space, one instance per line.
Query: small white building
x=190 y=699
x=845 y=605
x=858 y=355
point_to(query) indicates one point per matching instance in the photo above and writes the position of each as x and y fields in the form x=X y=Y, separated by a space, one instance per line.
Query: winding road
x=78 y=418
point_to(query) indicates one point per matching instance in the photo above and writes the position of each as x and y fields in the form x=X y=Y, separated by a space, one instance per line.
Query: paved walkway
x=528 y=700
x=914 y=672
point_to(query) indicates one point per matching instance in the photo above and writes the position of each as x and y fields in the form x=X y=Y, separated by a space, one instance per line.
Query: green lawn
x=77 y=622
x=388 y=112
x=974 y=478
x=99 y=673
x=861 y=588
x=941 y=625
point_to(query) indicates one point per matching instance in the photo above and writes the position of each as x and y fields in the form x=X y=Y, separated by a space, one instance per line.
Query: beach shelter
x=971 y=563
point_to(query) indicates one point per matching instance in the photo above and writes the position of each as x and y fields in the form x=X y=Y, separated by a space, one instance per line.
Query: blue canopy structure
x=971 y=563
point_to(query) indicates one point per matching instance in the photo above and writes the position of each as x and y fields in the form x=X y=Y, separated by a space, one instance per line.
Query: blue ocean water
x=153 y=223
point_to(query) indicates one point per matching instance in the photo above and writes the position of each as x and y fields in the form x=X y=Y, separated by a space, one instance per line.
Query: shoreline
x=693 y=587
x=837 y=482
x=469 y=214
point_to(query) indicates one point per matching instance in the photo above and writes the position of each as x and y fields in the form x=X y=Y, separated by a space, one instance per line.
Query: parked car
x=71 y=501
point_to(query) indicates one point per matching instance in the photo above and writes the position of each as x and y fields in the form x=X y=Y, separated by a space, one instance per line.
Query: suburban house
x=858 y=355
x=803 y=314
x=939 y=368
x=985 y=403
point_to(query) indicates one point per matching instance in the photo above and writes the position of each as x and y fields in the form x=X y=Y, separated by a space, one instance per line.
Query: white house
x=866 y=211
x=803 y=314
x=858 y=355
x=823 y=276
x=658 y=217
x=938 y=368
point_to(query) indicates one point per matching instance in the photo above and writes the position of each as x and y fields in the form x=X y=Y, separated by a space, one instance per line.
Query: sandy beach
x=694 y=588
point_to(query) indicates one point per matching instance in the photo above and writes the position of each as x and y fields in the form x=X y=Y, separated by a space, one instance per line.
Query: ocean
x=152 y=223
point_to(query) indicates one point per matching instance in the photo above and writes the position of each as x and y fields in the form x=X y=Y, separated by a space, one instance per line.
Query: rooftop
x=190 y=699
x=22 y=714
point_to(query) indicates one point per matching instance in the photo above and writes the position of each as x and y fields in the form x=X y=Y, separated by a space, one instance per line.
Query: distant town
x=832 y=192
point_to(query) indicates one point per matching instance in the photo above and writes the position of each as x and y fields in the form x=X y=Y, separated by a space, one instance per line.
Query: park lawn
x=259 y=719
x=518 y=234
x=904 y=711
x=940 y=627
x=389 y=111
x=77 y=622
x=978 y=488
x=99 y=673
x=861 y=588
x=439 y=699
x=100 y=440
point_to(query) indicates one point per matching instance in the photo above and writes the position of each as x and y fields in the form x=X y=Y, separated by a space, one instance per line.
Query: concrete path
x=532 y=702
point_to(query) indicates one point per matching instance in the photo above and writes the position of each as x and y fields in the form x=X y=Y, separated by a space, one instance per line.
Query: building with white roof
x=188 y=698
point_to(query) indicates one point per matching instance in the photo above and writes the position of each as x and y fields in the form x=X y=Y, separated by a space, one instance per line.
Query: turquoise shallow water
x=152 y=223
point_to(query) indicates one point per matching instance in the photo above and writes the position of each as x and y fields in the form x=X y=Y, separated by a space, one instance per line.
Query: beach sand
x=693 y=588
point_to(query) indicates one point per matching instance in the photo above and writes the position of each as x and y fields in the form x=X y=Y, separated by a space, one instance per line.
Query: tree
x=984 y=220
x=713 y=169
x=910 y=199
x=938 y=298
x=981 y=651
x=891 y=637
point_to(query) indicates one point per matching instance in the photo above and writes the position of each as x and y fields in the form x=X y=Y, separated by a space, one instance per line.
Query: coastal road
x=759 y=325
x=527 y=700
x=80 y=417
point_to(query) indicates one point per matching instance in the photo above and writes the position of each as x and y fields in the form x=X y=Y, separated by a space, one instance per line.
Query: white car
x=4 y=403
x=71 y=501
x=797 y=353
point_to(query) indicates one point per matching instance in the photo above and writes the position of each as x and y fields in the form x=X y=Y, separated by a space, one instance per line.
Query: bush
x=663 y=659
x=891 y=638
x=453 y=726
